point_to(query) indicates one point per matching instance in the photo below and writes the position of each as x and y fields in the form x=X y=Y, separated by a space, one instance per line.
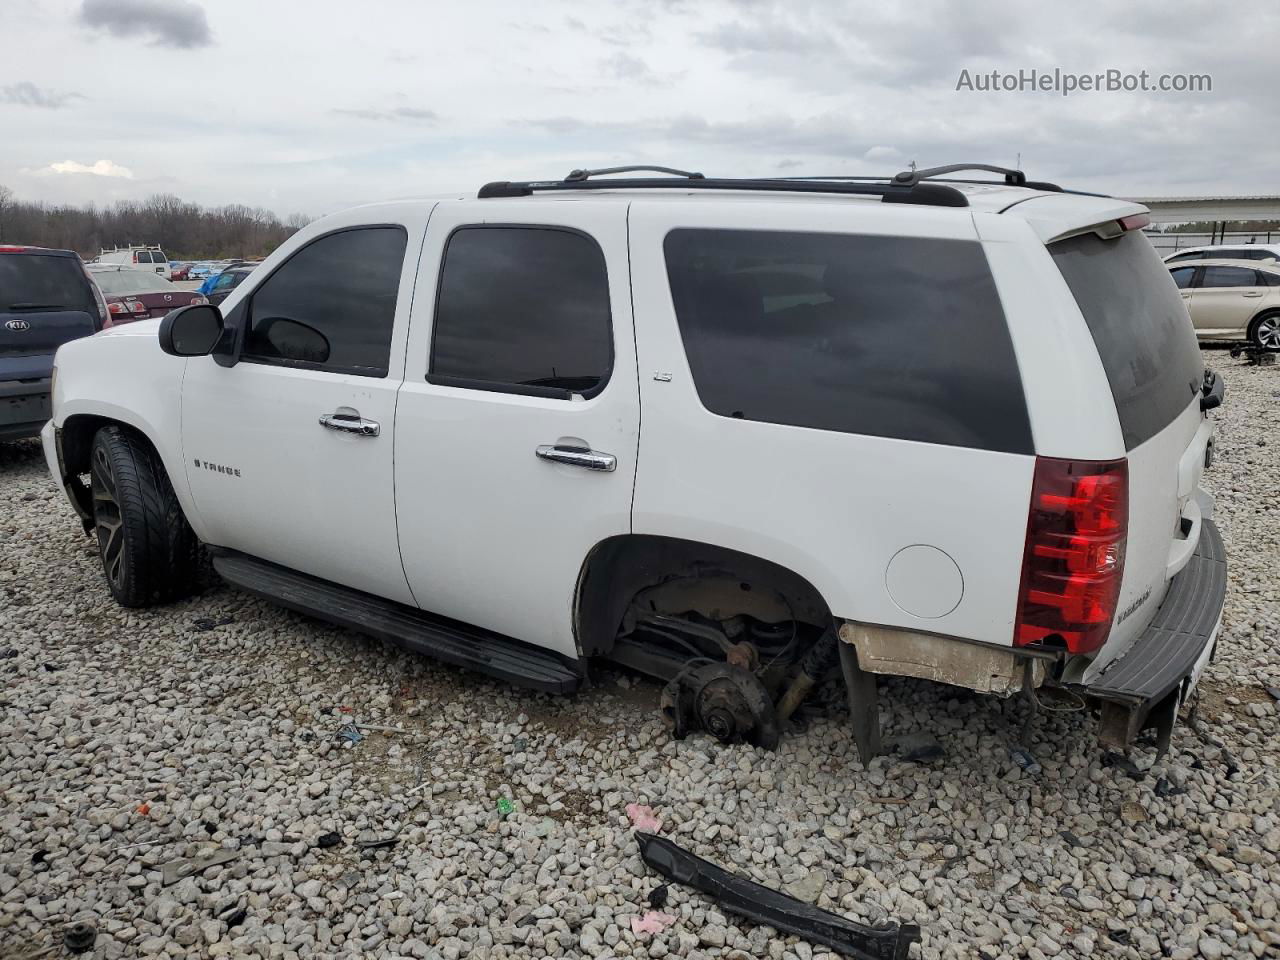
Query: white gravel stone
x=227 y=736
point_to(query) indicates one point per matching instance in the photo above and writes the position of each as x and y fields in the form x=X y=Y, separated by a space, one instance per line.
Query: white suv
x=713 y=430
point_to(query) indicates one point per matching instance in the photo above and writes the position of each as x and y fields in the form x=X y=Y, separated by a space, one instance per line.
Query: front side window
x=332 y=304
x=522 y=310
x=883 y=336
x=1228 y=277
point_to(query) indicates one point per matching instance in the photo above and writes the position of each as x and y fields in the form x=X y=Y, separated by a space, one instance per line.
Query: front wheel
x=149 y=552
x=1266 y=332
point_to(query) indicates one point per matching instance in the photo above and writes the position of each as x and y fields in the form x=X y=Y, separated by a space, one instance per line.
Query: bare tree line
x=185 y=231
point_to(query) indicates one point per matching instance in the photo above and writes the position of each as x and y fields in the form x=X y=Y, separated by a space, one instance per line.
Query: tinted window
x=1228 y=277
x=1140 y=326
x=523 y=309
x=1269 y=279
x=1182 y=276
x=885 y=336
x=342 y=286
x=36 y=282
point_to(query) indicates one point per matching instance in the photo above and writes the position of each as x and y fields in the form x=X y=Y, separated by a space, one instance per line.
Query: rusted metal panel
x=905 y=653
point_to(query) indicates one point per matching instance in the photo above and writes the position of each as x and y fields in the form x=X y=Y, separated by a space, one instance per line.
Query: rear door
x=1225 y=298
x=45 y=300
x=1154 y=367
x=517 y=424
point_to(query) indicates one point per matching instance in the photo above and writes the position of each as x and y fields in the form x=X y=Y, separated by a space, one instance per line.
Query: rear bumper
x=24 y=408
x=1145 y=687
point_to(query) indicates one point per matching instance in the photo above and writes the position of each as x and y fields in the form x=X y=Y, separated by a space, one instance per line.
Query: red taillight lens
x=1074 y=556
x=117 y=308
x=197 y=299
x=137 y=306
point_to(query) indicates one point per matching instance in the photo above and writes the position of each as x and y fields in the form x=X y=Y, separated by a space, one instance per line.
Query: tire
x=1265 y=331
x=150 y=555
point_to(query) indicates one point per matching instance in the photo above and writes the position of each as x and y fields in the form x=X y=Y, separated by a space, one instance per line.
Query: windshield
x=119 y=282
x=36 y=282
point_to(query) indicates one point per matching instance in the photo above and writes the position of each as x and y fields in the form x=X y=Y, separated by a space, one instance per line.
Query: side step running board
x=457 y=643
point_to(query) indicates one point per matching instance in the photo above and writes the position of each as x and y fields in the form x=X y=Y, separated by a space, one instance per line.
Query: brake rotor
x=726 y=701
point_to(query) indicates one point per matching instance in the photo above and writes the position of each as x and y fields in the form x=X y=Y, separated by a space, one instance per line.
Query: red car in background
x=133 y=294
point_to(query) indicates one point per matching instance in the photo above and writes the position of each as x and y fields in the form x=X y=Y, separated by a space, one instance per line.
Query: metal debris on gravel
x=156 y=742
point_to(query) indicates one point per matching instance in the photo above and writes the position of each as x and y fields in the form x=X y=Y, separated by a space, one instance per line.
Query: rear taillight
x=1074 y=556
x=137 y=306
x=118 y=309
x=197 y=299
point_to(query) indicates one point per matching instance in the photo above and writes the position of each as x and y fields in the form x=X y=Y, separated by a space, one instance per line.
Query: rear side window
x=331 y=306
x=1140 y=326
x=884 y=336
x=523 y=310
x=33 y=282
x=1229 y=277
x=1183 y=276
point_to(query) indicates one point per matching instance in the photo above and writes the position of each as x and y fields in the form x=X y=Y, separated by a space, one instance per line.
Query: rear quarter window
x=1139 y=325
x=883 y=336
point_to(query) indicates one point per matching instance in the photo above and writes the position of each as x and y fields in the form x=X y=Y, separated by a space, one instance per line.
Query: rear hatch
x=1153 y=363
x=45 y=301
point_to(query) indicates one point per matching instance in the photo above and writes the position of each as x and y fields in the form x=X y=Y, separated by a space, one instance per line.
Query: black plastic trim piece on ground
x=449 y=640
x=746 y=898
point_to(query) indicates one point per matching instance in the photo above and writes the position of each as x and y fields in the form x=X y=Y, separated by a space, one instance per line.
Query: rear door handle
x=348 y=420
x=578 y=457
x=1256 y=293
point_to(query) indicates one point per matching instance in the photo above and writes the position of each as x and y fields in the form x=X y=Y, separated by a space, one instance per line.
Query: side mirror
x=291 y=340
x=191 y=331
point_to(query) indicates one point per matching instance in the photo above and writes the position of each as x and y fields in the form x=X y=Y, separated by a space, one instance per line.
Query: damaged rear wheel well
x=668 y=575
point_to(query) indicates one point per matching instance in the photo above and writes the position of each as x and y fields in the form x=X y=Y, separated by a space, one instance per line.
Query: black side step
x=448 y=640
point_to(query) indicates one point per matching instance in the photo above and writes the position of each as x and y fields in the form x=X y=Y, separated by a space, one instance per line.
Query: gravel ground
x=133 y=739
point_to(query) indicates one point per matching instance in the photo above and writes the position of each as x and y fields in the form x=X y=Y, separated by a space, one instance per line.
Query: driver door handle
x=578 y=457
x=347 y=420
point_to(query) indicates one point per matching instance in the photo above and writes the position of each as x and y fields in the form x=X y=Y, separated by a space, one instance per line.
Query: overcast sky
x=313 y=105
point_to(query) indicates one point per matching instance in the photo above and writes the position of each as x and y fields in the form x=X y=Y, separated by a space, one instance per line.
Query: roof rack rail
x=1012 y=178
x=578 y=175
x=928 y=194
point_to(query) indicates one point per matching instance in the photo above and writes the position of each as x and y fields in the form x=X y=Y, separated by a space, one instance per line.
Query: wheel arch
x=1251 y=329
x=618 y=568
x=75 y=443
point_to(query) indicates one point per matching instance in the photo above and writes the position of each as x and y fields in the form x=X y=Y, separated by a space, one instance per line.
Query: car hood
x=138 y=328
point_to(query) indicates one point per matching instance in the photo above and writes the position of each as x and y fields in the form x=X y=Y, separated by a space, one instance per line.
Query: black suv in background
x=46 y=299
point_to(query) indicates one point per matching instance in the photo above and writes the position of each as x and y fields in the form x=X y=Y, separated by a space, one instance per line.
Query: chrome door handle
x=347 y=420
x=578 y=457
x=1258 y=294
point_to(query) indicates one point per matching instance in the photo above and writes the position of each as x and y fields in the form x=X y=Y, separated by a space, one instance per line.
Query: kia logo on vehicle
x=17 y=325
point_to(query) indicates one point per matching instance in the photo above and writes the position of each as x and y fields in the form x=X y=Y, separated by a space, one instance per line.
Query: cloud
x=103 y=168
x=179 y=23
x=413 y=114
x=24 y=93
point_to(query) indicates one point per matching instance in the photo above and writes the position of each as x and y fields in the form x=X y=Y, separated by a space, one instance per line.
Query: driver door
x=289 y=452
